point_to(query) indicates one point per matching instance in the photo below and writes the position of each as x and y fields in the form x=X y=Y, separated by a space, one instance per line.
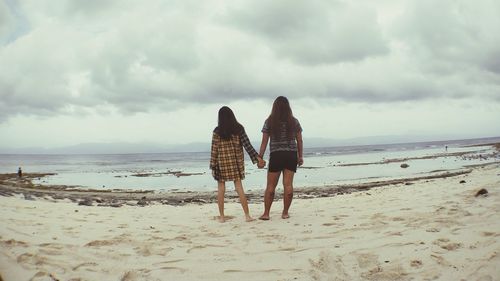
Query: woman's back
x=282 y=139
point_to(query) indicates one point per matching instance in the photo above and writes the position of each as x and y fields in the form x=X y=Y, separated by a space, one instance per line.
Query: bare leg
x=272 y=181
x=220 y=199
x=287 y=192
x=243 y=199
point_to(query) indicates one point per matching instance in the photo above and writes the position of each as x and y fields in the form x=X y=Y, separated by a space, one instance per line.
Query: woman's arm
x=300 y=148
x=263 y=144
x=213 y=152
x=248 y=147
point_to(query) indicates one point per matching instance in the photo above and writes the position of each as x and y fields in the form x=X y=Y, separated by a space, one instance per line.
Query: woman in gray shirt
x=286 y=148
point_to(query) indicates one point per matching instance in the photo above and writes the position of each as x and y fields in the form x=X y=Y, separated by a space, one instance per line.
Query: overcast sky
x=158 y=71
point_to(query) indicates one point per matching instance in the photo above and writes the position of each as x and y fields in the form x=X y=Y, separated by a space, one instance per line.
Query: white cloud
x=6 y=21
x=314 y=32
x=65 y=58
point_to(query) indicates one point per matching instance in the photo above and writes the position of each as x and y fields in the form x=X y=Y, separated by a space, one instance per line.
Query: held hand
x=261 y=164
x=301 y=161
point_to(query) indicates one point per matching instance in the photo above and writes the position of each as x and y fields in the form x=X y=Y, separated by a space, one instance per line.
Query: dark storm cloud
x=159 y=55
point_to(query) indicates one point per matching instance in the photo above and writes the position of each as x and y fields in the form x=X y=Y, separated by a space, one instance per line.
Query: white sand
x=433 y=230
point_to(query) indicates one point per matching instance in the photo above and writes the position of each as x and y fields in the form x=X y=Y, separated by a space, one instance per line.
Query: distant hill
x=111 y=148
x=123 y=147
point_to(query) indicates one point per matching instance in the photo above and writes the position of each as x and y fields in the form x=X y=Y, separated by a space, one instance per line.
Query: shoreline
x=11 y=186
x=435 y=156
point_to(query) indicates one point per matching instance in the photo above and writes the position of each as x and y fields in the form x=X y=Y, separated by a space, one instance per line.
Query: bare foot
x=264 y=218
x=222 y=219
x=285 y=216
x=249 y=219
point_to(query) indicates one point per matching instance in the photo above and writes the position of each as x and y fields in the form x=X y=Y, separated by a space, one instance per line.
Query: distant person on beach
x=19 y=173
x=286 y=149
x=227 y=162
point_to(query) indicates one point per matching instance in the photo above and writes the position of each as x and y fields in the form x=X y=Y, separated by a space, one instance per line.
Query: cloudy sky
x=157 y=71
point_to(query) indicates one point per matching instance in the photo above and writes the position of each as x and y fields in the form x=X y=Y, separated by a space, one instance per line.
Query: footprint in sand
x=488 y=233
x=42 y=275
x=50 y=252
x=227 y=218
x=214 y=234
x=144 y=251
x=168 y=262
x=440 y=260
x=182 y=270
x=257 y=271
x=25 y=258
x=377 y=215
x=392 y=272
x=52 y=246
x=14 y=243
x=85 y=264
x=204 y=246
x=367 y=260
x=28 y=260
x=98 y=243
x=129 y=276
x=182 y=237
x=485 y=278
x=440 y=209
x=445 y=243
x=394 y=233
x=416 y=263
x=328 y=267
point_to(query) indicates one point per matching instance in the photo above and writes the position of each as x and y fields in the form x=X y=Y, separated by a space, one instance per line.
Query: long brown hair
x=281 y=113
x=227 y=123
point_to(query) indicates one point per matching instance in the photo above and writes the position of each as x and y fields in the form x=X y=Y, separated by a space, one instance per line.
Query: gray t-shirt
x=280 y=141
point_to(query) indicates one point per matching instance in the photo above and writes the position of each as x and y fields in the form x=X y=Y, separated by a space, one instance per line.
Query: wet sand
x=11 y=185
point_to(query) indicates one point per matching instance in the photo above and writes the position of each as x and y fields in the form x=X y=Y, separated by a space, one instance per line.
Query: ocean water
x=322 y=166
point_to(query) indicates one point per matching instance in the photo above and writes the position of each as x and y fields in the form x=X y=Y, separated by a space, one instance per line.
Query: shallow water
x=321 y=167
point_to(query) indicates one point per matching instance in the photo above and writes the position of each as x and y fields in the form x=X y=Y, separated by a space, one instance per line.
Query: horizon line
x=205 y=151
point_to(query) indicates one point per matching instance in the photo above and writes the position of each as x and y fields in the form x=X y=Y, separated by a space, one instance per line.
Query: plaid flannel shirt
x=227 y=159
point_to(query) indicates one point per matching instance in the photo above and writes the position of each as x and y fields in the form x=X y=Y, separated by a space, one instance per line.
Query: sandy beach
x=119 y=120
x=432 y=229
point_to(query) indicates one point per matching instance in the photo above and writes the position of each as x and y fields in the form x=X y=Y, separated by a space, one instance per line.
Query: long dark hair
x=281 y=113
x=227 y=123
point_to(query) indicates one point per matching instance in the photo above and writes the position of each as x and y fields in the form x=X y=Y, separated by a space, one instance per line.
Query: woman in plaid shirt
x=226 y=161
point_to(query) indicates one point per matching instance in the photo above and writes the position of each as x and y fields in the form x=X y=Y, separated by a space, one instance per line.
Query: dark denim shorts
x=281 y=160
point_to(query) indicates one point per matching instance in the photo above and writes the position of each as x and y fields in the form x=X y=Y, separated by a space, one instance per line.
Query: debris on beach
x=143 y=202
x=482 y=192
x=28 y=196
x=85 y=202
x=309 y=167
x=174 y=173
